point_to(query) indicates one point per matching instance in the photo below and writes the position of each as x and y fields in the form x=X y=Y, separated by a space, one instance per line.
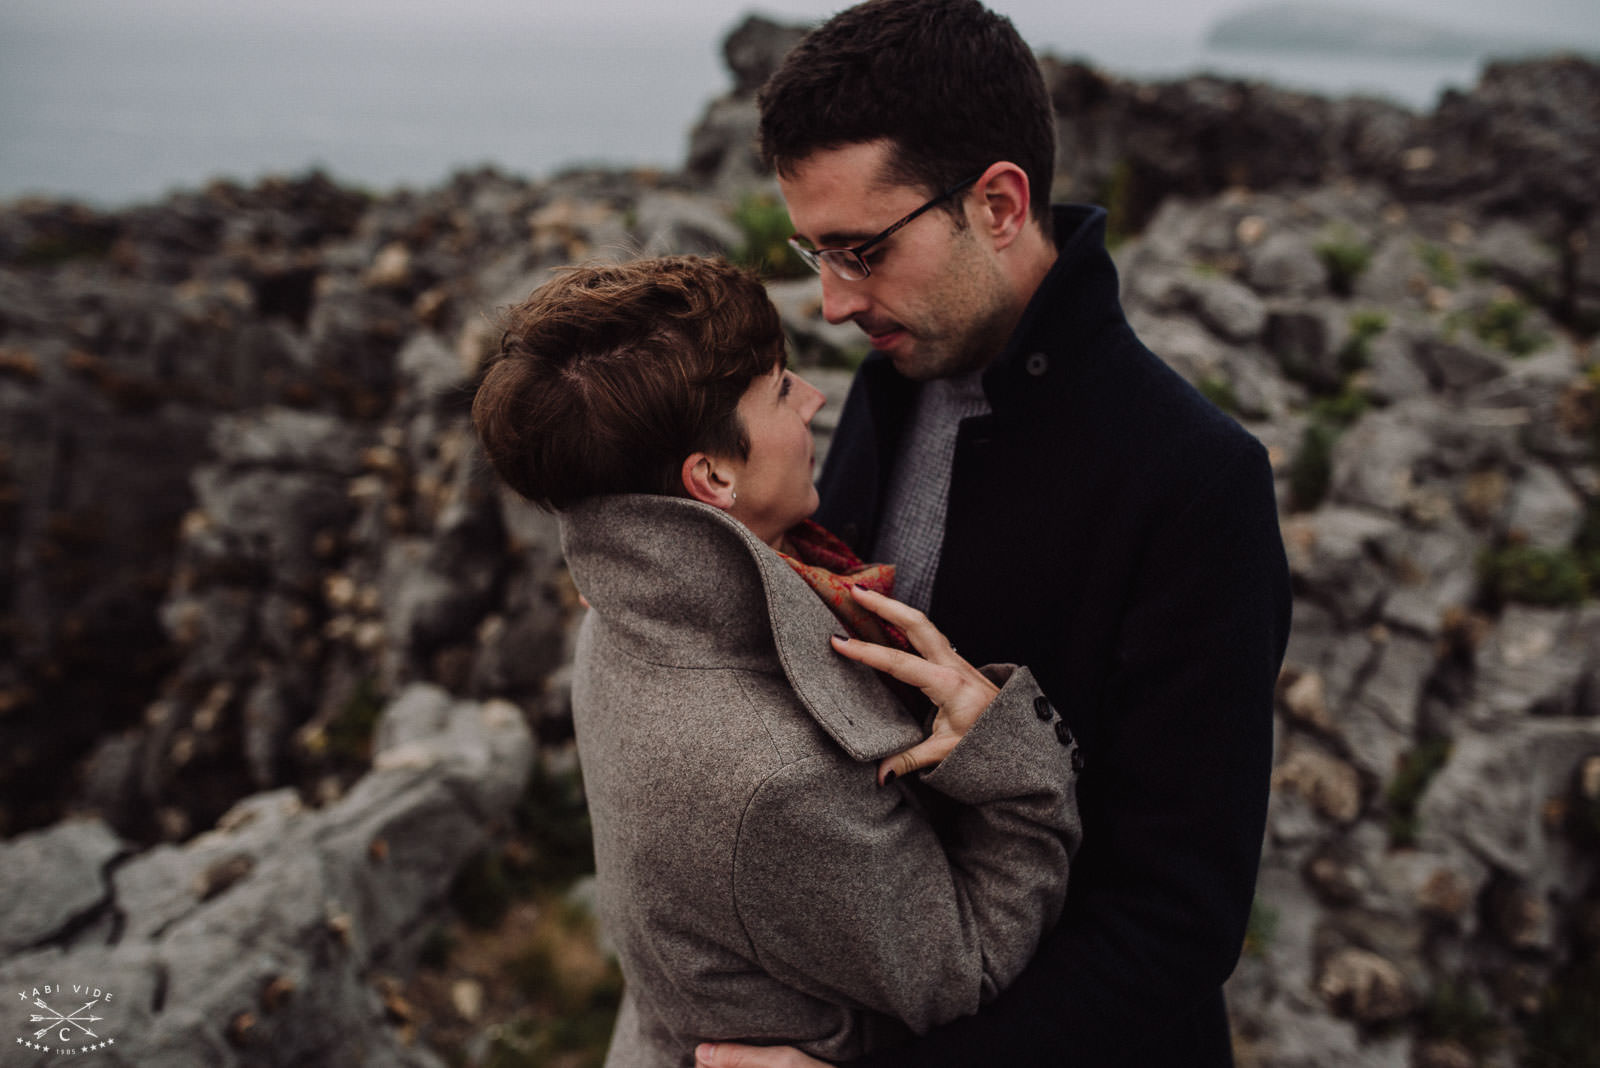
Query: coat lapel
x=684 y=584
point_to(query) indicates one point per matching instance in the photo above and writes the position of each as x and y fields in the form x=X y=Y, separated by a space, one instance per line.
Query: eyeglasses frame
x=816 y=257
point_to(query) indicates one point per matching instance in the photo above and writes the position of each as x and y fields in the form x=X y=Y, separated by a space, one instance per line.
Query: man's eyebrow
x=845 y=238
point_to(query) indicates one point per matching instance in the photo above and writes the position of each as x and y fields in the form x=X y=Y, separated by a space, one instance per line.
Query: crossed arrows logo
x=75 y=1018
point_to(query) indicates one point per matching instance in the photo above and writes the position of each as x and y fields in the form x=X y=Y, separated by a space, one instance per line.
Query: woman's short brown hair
x=609 y=376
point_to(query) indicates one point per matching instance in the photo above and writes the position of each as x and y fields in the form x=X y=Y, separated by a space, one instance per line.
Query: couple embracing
x=822 y=830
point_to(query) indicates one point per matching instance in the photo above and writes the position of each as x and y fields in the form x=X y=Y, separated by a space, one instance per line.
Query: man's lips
x=880 y=335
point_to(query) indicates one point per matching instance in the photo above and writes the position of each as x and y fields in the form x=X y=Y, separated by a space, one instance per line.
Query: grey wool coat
x=756 y=881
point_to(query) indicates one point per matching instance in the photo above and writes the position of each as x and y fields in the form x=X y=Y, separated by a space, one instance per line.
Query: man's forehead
x=838 y=194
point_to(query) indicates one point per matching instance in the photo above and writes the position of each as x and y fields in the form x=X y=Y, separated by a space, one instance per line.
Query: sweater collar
x=681 y=584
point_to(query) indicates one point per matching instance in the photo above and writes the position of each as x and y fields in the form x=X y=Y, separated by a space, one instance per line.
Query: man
x=1052 y=495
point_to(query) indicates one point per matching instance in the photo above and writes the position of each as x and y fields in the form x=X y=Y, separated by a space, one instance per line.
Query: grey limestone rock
x=1306 y=339
x=1335 y=554
x=1459 y=364
x=1374 y=462
x=50 y=878
x=1512 y=253
x=1489 y=802
x=1536 y=662
x=1286 y=263
x=674 y=223
x=1393 y=371
x=260 y=941
x=1230 y=309
x=1544 y=510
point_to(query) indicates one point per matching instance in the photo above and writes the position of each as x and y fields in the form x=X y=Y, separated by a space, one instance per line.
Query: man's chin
x=915 y=366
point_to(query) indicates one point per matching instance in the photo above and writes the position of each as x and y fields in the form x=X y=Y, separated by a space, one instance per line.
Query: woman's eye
x=783 y=389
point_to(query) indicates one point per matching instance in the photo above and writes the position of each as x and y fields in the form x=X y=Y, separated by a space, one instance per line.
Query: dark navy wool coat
x=1117 y=533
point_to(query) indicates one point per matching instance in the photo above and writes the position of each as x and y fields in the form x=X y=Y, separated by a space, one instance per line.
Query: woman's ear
x=703 y=482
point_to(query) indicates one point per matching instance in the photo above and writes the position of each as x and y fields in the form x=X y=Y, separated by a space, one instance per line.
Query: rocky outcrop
x=1521 y=145
x=267 y=614
x=1429 y=881
x=278 y=936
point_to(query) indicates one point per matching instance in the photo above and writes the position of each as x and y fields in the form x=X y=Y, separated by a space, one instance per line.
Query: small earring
x=735 y=496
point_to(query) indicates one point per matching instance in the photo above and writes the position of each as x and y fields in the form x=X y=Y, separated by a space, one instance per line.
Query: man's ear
x=1005 y=189
x=704 y=483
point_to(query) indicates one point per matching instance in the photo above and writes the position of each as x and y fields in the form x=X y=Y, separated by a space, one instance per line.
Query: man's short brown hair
x=608 y=377
x=949 y=82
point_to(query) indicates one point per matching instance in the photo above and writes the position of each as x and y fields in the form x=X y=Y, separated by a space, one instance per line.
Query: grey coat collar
x=681 y=584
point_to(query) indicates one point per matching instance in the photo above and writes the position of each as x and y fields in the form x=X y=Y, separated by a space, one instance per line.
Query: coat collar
x=681 y=584
x=1076 y=300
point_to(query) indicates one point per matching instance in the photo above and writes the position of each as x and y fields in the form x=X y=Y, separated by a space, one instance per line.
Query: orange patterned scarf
x=830 y=567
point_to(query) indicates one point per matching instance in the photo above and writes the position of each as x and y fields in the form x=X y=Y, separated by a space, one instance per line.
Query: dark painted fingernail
x=839 y=637
x=888 y=778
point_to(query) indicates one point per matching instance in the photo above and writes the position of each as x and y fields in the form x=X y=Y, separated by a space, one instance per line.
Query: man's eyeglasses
x=847 y=262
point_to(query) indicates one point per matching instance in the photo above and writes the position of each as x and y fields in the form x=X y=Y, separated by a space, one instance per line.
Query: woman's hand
x=957 y=689
x=733 y=1055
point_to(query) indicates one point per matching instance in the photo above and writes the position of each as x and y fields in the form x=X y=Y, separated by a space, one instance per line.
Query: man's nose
x=841 y=300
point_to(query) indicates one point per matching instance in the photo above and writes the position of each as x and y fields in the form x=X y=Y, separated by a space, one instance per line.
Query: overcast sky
x=1046 y=21
x=117 y=99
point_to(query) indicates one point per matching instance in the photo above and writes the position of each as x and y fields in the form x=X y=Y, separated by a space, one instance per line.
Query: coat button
x=1037 y=364
x=1042 y=709
x=1063 y=732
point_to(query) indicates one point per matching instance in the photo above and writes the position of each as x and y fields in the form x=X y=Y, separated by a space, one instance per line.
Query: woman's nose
x=810 y=397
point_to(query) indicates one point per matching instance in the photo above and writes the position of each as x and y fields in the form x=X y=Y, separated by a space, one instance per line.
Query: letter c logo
x=64 y=1036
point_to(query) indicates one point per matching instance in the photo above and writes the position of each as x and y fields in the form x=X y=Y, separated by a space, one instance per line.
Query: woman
x=762 y=872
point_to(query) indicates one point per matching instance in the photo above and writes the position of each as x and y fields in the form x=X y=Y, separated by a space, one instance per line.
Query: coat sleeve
x=1163 y=890
x=847 y=892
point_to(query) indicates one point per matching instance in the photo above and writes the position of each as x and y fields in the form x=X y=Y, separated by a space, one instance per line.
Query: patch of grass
x=552 y=845
x=65 y=245
x=1345 y=257
x=1565 y=1032
x=764 y=221
x=1116 y=196
x=1356 y=352
x=1311 y=470
x=1531 y=575
x=1417 y=769
x=1219 y=391
x=481 y=891
x=1587 y=543
x=349 y=733
x=1440 y=264
x=552 y=819
x=1342 y=409
x=1260 y=929
x=576 y=988
x=849 y=359
x=1455 y=1011
x=437 y=947
x=1503 y=322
